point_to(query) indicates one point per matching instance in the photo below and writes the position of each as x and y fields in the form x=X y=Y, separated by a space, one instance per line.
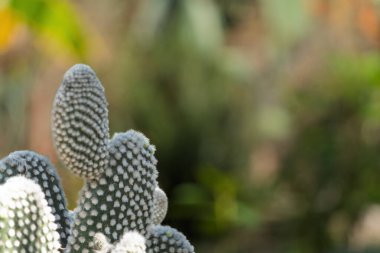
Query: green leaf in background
x=53 y=19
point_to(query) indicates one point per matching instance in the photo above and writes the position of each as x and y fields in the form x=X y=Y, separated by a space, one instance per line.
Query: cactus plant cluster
x=120 y=207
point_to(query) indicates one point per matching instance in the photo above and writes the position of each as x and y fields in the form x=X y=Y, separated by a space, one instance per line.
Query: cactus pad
x=121 y=200
x=80 y=122
x=26 y=221
x=166 y=239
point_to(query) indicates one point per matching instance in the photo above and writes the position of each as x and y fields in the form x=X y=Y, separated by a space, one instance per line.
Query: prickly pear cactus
x=26 y=221
x=120 y=208
x=39 y=169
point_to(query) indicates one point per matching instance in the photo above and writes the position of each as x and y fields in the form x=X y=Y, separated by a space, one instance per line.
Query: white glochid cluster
x=131 y=242
x=101 y=244
x=80 y=122
x=26 y=222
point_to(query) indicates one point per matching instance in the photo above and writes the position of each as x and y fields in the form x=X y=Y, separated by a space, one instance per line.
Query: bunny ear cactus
x=26 y=221
x=39 y=169
x=120 y=208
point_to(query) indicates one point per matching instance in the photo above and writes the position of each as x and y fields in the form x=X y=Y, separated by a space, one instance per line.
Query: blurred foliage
x=265 y=113
x=189 y=95
x=54 y=20
x=12 y=110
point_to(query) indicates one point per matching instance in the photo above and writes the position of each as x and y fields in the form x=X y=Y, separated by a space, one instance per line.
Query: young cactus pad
x=167 y=239
x=160 y=206
x=26 y=222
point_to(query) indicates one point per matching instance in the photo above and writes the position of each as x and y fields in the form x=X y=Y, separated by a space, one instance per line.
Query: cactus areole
x=120 y=208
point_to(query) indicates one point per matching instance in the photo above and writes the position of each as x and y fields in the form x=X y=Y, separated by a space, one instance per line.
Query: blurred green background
x=265 y=113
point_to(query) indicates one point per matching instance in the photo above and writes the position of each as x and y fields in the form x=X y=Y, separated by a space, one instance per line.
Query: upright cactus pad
x=39 y=169
x=26 y=221
x=80 y=122
x=121 y=199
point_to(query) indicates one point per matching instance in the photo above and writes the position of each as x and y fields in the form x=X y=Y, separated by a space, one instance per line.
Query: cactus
x=120 y=207
x=26 y=221
x=40 y=170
